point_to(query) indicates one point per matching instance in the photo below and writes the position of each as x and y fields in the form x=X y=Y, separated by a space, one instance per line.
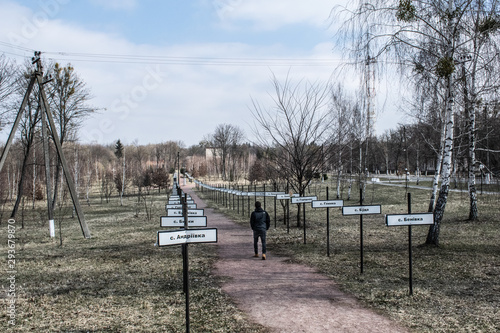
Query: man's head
x=258 y=204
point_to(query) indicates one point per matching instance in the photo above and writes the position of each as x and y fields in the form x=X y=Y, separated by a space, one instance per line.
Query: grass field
x=117 y=281
x=455 y=286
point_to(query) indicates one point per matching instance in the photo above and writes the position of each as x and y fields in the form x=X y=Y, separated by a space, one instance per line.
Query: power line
x=171 y=60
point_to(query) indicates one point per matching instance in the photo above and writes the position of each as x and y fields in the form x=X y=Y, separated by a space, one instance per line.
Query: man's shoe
x=256 y=255
x=263 y=257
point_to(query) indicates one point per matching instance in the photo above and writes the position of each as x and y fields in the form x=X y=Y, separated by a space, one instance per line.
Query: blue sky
x=148 y=101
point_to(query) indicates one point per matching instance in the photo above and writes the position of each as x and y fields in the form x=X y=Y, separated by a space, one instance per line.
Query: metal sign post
x=409 y=220
x=287 y=198
x=303 y=200
x=361 y=210
x=327 y=204
x=184 y=237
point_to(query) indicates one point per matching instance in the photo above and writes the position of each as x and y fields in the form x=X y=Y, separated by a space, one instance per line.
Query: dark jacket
x=260 y=220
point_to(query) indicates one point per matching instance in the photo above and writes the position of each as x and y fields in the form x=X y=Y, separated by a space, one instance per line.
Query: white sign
x=327 y=203
x=409 y=219
x=178 y=202
x=167 y=238
x=255 y=194
x=283 y=197
x=296 y=200
x=189 y=206
x=273 y=194
x=173 y=221
x=190 y=212
x=361 y=210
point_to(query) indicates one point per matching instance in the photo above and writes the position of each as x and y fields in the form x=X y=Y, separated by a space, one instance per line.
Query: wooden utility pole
x=37 y=76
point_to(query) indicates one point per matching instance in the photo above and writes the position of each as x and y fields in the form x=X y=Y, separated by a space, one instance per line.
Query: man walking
x=260 y=223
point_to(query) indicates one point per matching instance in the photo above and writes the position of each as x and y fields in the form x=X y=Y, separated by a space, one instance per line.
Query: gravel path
x=283 y=296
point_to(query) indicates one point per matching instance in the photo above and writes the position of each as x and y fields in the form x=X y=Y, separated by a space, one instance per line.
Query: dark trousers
x=262 y=235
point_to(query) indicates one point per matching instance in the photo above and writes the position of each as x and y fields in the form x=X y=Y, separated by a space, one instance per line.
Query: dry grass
x=117 y=281
x=455 y=286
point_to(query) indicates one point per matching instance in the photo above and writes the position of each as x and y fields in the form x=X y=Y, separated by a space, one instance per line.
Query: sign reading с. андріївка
x=166 y=238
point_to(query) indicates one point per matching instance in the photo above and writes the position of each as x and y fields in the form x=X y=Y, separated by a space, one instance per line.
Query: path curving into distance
x=283 y=296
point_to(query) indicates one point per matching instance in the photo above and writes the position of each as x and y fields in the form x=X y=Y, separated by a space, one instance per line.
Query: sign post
x=184 y=237
x=409 y=220
x=361 y=210
x=185 y=261
x=303 y=200
x=287 y=198
x=327 y=204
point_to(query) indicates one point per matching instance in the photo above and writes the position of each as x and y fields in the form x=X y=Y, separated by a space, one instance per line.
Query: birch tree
x=478 y=79
x=410 y=31
x=341 y=111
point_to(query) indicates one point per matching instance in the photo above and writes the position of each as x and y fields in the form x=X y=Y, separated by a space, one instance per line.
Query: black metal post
x=264 y=196
x=255 y=193
x=410 y=248
x=361 y=231
x=327 y=227
x=274 y=212
x=304 y=215
x=287 y=210
x=186 y=262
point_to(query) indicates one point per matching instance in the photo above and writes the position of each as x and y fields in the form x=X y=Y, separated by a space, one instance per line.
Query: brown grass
x=117 y=281
x=455 y=286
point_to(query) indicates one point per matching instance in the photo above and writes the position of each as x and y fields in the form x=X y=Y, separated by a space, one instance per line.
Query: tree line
x=445 y=54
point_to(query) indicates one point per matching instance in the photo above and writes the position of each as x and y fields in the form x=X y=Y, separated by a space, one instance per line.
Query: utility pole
x=37 y=76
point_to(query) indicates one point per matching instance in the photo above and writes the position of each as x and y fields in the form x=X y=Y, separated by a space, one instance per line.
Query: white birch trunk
x=433 y=234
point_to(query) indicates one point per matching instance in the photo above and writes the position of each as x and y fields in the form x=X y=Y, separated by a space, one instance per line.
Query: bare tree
x=294 y=130
x=28 y=124
x=341 y=111
x=7 y=86
x=68 y=97
x=225 y=141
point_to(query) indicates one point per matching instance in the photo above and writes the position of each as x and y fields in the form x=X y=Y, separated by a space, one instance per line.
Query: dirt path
x=282 y=296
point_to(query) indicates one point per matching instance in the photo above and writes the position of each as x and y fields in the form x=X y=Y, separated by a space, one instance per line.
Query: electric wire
x=167 y=60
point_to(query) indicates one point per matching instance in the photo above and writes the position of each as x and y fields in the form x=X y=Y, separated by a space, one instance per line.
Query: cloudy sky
x=174 y=70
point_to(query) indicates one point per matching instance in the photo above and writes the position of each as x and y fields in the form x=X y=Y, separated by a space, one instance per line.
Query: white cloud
x=271 y=15
x=154 y=103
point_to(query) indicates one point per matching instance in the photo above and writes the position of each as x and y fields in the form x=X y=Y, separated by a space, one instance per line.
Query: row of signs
x=175 y=218
x=391 y=219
